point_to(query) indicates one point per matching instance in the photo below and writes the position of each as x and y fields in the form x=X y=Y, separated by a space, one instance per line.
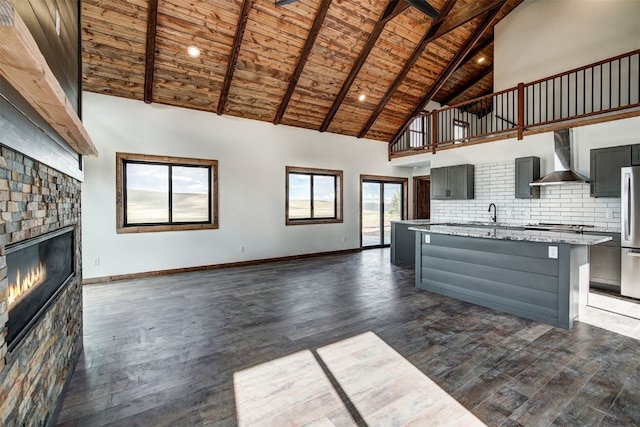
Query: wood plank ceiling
x=303 y=64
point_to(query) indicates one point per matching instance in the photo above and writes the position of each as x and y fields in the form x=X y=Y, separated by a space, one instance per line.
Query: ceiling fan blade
x=424 y=7
x=283 y=2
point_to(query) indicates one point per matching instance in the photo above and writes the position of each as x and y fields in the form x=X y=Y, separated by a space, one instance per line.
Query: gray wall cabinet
x=605 y=170
x=527 y=171
x=452 y=182
x=635 y=155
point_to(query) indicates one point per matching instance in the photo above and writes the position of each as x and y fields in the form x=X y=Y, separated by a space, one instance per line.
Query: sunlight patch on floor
x=290 y=391
x=382 y=386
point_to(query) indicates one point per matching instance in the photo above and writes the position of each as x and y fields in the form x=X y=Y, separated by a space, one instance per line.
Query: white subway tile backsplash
x=495 y=183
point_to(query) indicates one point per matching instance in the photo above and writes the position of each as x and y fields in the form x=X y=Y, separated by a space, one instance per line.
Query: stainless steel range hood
x=563 y=173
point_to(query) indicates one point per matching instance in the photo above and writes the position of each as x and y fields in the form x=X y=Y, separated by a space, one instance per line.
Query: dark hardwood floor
x=163 y=351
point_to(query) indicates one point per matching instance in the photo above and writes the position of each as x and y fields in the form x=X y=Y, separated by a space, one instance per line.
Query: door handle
x=633 y=253
x=626 y=205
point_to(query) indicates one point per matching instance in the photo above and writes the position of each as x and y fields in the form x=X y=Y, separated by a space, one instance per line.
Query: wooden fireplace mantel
x=24 y=67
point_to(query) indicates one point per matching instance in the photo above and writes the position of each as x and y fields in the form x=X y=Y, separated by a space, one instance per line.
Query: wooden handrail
x=584 y=67
x=515 y=99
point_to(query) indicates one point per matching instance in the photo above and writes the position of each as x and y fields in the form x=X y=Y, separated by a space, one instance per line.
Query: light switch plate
x=553 y=252
x=427 y=238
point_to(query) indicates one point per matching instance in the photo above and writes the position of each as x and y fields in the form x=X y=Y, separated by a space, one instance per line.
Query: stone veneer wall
x=36 y=199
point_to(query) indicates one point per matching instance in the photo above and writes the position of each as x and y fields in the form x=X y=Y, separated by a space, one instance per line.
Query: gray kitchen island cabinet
x=539 y=275
x=403 y=247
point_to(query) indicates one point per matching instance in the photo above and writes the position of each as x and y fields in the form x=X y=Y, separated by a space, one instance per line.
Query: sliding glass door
x=383 y=201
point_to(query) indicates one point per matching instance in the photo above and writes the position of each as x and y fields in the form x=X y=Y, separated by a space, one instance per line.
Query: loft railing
x=595 y=92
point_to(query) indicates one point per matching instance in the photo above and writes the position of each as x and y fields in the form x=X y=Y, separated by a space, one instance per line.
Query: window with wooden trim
x=161 y=193
x=313 y=196
x=460 y=131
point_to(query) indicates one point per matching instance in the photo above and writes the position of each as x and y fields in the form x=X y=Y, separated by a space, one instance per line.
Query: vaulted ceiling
x=304 y=64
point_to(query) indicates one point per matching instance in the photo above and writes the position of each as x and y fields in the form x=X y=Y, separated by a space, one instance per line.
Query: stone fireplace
x=41 y=326
x=37 y=271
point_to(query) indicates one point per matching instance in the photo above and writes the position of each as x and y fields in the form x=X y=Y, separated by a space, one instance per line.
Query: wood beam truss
x=417 y=51
x=393 y=9
x=451 y=66
x=233 y=57
x=446 y=22
x=476 y=79
x=302 y=60
x=152 y=23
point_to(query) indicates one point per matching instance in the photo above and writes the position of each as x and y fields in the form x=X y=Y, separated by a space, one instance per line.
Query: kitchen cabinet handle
x=634 y=253
x=626 y=204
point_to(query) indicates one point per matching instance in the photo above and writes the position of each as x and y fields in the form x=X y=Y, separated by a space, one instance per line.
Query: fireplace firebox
x=38 y=269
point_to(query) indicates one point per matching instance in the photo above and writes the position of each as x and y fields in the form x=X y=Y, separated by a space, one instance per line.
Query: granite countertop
x=587 y=229
x=416 y=221
x=503 y=232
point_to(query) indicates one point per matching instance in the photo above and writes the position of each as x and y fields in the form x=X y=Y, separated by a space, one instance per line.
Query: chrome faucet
x=494 y=218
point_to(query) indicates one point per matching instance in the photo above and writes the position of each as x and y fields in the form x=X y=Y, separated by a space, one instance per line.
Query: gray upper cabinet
x=605 y=170
x=452 y=183
x=527 y=171
x=635 y=155
x=439 y=183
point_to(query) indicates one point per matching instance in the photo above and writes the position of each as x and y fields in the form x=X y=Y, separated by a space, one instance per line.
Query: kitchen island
x=540 y=275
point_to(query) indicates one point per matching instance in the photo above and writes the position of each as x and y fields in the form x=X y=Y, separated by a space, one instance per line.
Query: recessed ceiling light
x=481 y=60
x=193 y=51
x=362 y=97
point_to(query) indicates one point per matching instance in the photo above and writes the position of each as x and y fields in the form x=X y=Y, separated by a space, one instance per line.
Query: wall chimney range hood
x=563 y=173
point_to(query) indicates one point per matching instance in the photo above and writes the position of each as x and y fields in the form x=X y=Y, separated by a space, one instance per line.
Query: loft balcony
x=603 y=91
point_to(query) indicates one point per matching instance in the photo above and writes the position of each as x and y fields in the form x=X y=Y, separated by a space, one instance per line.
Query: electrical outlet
x=96 y=261
x=344 y=239
x=241 y=248
x=609 y=213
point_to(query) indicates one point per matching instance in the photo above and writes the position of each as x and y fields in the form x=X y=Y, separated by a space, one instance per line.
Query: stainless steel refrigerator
x=630 y=233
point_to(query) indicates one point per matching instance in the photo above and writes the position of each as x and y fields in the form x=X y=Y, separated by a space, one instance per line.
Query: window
x=460 y=131
x=159 y=193
x=313 y=196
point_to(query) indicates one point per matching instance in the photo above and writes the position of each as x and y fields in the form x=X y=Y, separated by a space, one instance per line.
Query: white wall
x=541 y=38
x=252 y=157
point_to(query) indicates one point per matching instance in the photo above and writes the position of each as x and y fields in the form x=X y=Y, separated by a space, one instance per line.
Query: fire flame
x=33 y=277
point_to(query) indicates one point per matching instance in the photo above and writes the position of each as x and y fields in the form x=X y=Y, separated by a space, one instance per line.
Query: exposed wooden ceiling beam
x=476 y=50
x=477 y=79
x=233 y=57
x=451 y=66
x=425 y=7
x=417 y=51
x=466 y=14
x=152 y=23
x=302 y=60
x=393 y=9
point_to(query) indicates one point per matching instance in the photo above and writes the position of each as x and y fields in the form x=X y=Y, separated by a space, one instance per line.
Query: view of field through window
x=147 y=187
x=324 y=196
x=375 y=209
